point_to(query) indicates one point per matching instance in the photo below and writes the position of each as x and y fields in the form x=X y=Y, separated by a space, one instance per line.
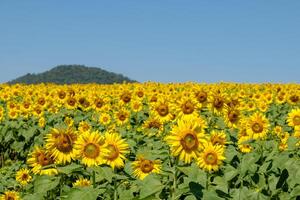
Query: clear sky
x=157 y=40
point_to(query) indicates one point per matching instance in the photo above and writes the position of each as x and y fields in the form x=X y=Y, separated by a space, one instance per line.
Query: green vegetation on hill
x=68 y=74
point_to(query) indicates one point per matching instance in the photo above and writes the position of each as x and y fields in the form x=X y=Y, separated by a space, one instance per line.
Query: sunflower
x=293 y=118
x=245 y=148
x=186 y=106
x=39 y=160
x=90 y=148
x=257 y=126
x=185 y=139
x=60 y=145
x=217 y=102
x=23 y=176
x=42 y=122
x=136 y=105
x=117 y=148
x=143 y=167
x=218 y=138
x=71 y=103
x=231 y=116
x=152 y=126
x=122 y=116
x=82 y=182
x=201 y=97
x=10 y=195
x=84 y=126
x=105 y=119
x=211 y=157
x=161 y=110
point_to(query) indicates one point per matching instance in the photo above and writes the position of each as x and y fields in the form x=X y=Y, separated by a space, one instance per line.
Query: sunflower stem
x=115 y=186
x=174 y=178
x=94 y=179
x=207 y=180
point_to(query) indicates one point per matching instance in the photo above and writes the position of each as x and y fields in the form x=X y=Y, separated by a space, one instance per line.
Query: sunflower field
x=150 y=141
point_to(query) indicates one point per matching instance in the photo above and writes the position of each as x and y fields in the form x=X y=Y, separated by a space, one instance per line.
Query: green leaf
x=221 y=184
x=196 y=189
x=150 y=186
x=210 y=195
x=194 y=173
x=36 y=196
x=103 y=173
x=69 y=168
x=86 y=193
x=42 y=184
x=230 y=172
x=296 y=191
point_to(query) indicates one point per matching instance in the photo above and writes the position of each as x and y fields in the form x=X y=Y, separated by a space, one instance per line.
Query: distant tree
x=68 y=74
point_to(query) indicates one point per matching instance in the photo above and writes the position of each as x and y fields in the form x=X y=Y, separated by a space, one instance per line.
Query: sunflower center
x=163 y=110
x=113 y=152
x=71 y=102
x=140 y=93
x=218 y=102
x=64 y=143
x=43 y=160
x=91 y=150
x=154 y=124
x=257 y=127
x=24 y=176
x=99 y=103
x=187 y=107
x=216 y=140
x=122 y=117
x=233 y=116
x=294 y=98
x=41 y=101
x=296 y=120
x=126 y=97
x=62 y=94
x=189 y=142
x=10 y=197
x=147 y=166
x=211 y=158
x=202 y=96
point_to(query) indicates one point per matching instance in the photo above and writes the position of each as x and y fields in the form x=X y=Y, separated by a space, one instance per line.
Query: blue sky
x=156 y=40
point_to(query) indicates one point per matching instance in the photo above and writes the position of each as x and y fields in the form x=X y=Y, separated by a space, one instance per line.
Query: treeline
x=69 y=74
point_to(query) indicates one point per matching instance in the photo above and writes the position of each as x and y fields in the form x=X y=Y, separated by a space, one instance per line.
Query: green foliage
x=68 y=74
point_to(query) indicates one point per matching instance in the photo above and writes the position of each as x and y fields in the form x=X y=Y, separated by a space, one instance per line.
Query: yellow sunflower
x=161 y=109
x=231 y=116
x=105 y=119
x=245 y=148
x=90 y=147
x=10 y=195
x=23 y=176
x=257 y=126
x=218 y=138
x=39 y=160
x=82 y=182
x=211 y=157
x=186 y=106
x=185 y=139
x=117 y=148
x=84 y=126
x=293 y=118
x=122 y=116
x=217 y=102
x=143 y=167
x=60 y=145
x=152 y=126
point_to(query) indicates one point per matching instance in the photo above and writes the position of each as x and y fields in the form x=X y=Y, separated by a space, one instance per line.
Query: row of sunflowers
x=150 y=141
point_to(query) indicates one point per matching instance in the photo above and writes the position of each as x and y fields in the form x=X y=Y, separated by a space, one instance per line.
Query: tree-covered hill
x=68 y=74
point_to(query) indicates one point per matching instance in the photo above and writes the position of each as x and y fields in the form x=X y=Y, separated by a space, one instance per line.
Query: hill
x=68 y=74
